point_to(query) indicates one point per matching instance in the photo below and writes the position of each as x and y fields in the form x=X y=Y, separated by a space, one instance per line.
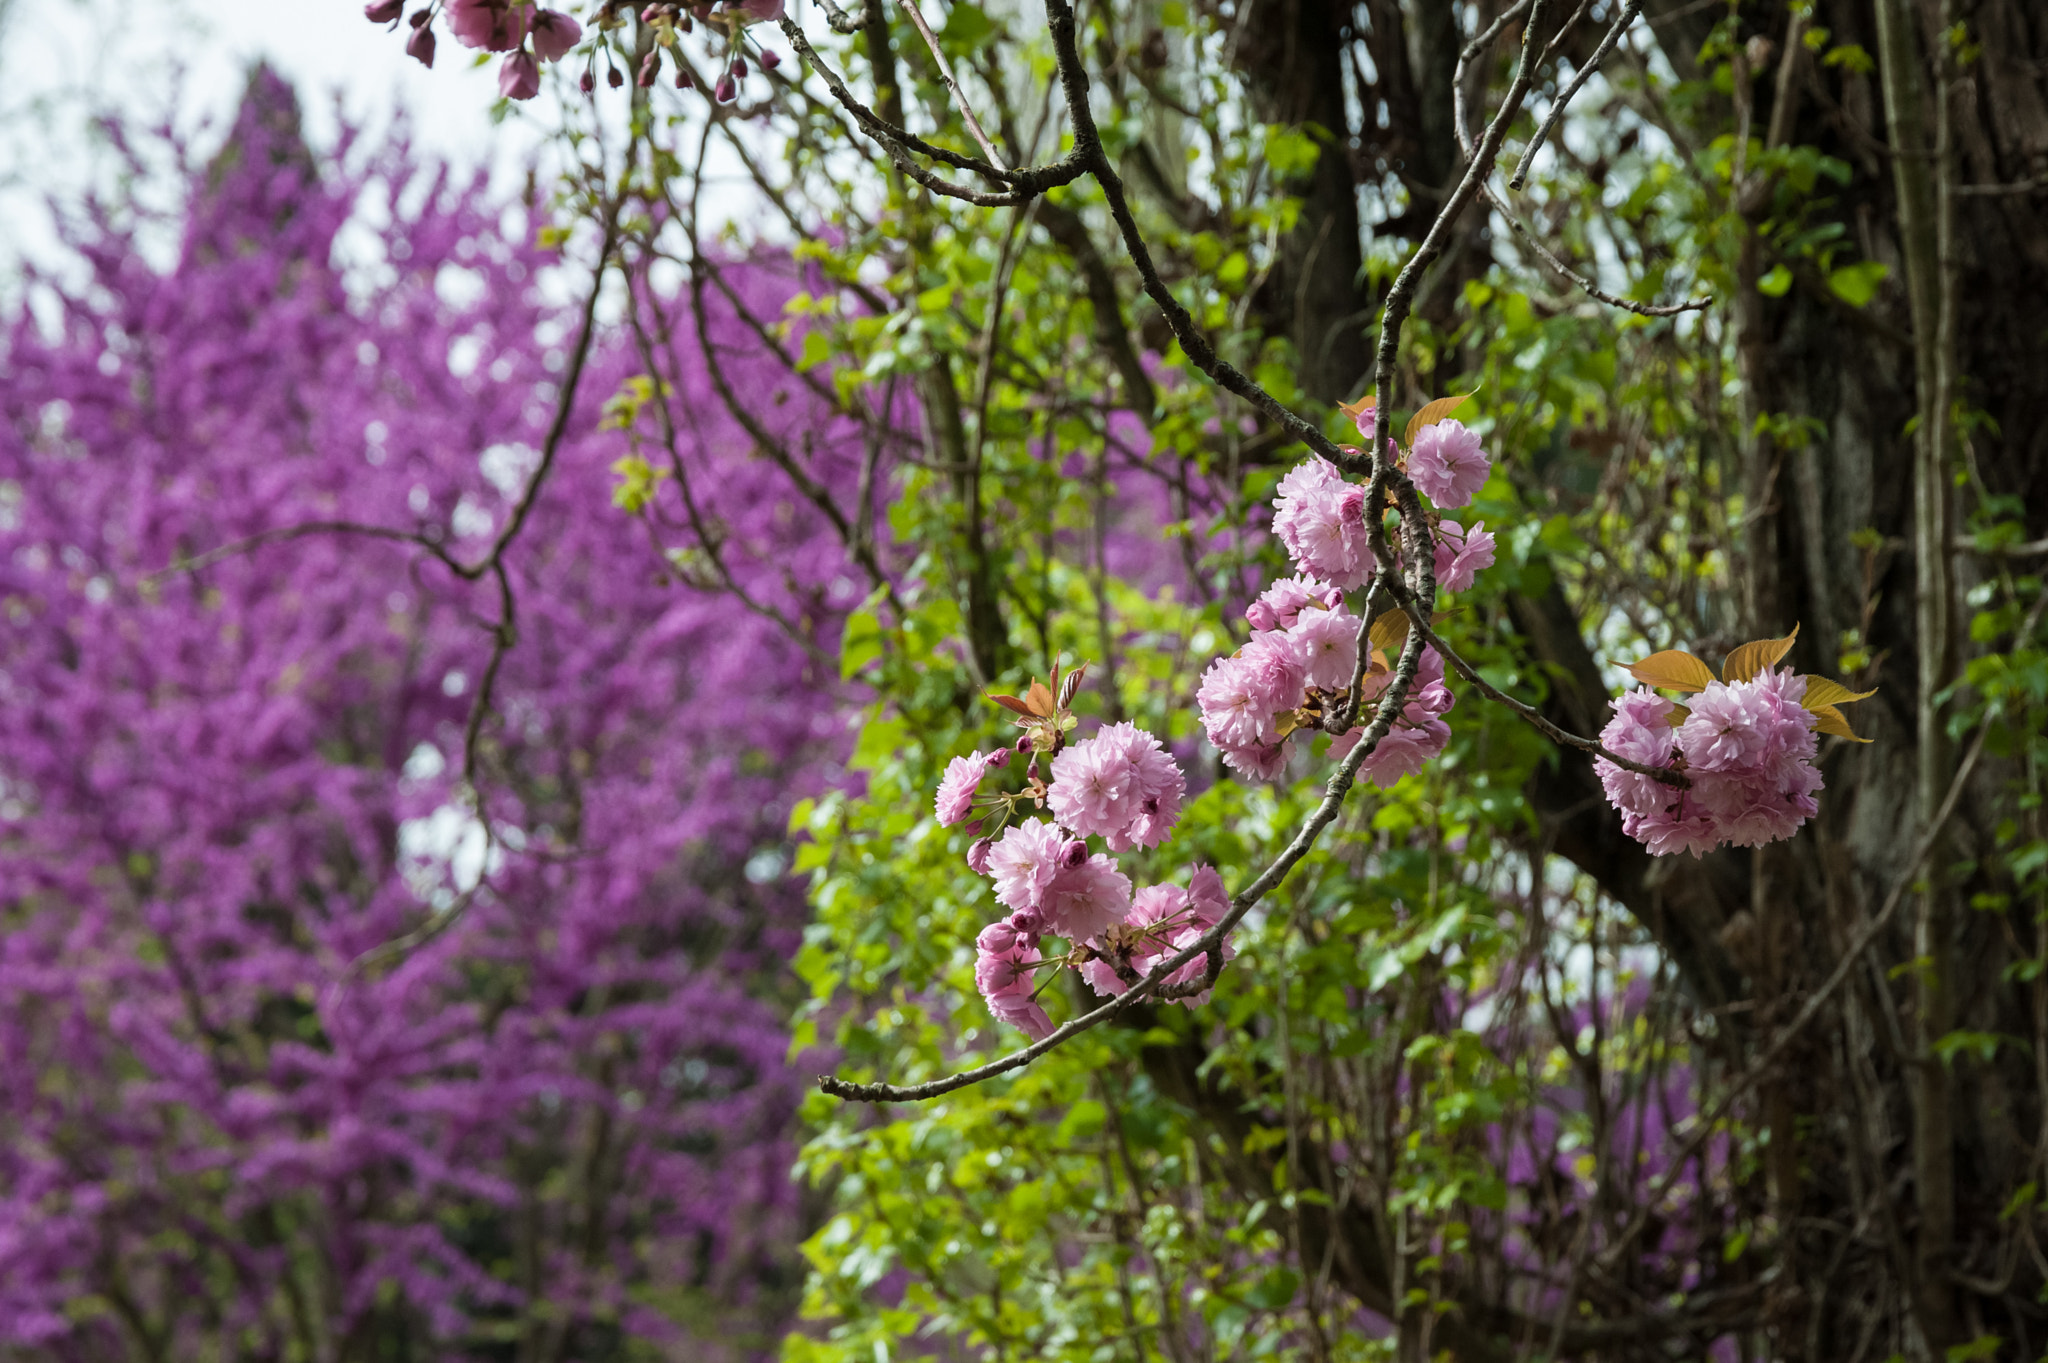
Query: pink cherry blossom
x=1403 y=750
x=1461 y=554
x=1278 y=672
x=1259 y=761
x=1094 y=790
x=1233 y=706
x=1447 y=463
x=495 y=25
x=1164 y=920
x=1119 y=785
x=1327 y=643
x=958 y=786
x=1006 y=980
x=1081 y=901
x=1024 y=861
x=1280 y=604
x=554 y=34
x=1320 y=519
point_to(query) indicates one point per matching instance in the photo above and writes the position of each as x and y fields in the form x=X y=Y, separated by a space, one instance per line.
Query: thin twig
x=1585 y=73
x=988 y=149
x=1585 y=285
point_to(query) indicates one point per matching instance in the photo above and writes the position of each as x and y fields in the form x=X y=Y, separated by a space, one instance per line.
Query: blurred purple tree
x=558 y=1129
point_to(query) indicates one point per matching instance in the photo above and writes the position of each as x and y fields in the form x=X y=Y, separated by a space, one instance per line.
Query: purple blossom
x=233 y=784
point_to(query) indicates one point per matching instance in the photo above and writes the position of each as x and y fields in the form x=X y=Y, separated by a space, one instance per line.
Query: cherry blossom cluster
x=1120 y=786
x=529 y=34
x=1298 y=670
x=1746 y=746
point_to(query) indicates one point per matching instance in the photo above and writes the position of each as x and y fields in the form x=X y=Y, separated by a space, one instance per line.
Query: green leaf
x=1774 y=284
x=1857 y=284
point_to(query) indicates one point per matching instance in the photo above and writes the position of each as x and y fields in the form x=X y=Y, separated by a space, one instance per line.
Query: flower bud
x=519 y=76
x=614 y=77
x=683 y=81
x=589 y=81
x=726 y=89
x=997 y=938
x=420 y=46
x=739 y=68
x=1259 y=615
x=770 y=60
x=1027 y=923
x=650 y=68
x=1073 y=854
x=999 y=758
x=977 y=855
x=1023 y=744
x=648 y=15
x=383 y=11
x=973 y=830
x=420 y=17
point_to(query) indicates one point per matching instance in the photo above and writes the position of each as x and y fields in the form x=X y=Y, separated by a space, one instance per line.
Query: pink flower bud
x=383 y=11
x=1023 y=744
x=726 y=89
x=770 y=60
x=420 y=46
x=648 y=15
x=997 y=939
x=614 y=77
x=739 y=67
x=420 y=17
x=977 y=855
x=973 y=829
x=519 y=77
x=1073 y=854
x=683 y=81
x=1027 y=923
x=999 y=758
x=650 y=68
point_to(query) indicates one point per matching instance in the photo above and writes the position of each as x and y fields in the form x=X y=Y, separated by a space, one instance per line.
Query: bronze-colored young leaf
x=1822 y=691
x=1389 y=630
x=1676 y=715
x=1672 y=670
x=1430 y=415
x=1010 y=703
x=1830 y=721
x=1072 y=684
x=1039 y=699
x=1757 y=656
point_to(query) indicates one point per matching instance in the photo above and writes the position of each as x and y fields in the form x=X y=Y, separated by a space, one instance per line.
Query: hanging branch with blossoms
x=1736 y=767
